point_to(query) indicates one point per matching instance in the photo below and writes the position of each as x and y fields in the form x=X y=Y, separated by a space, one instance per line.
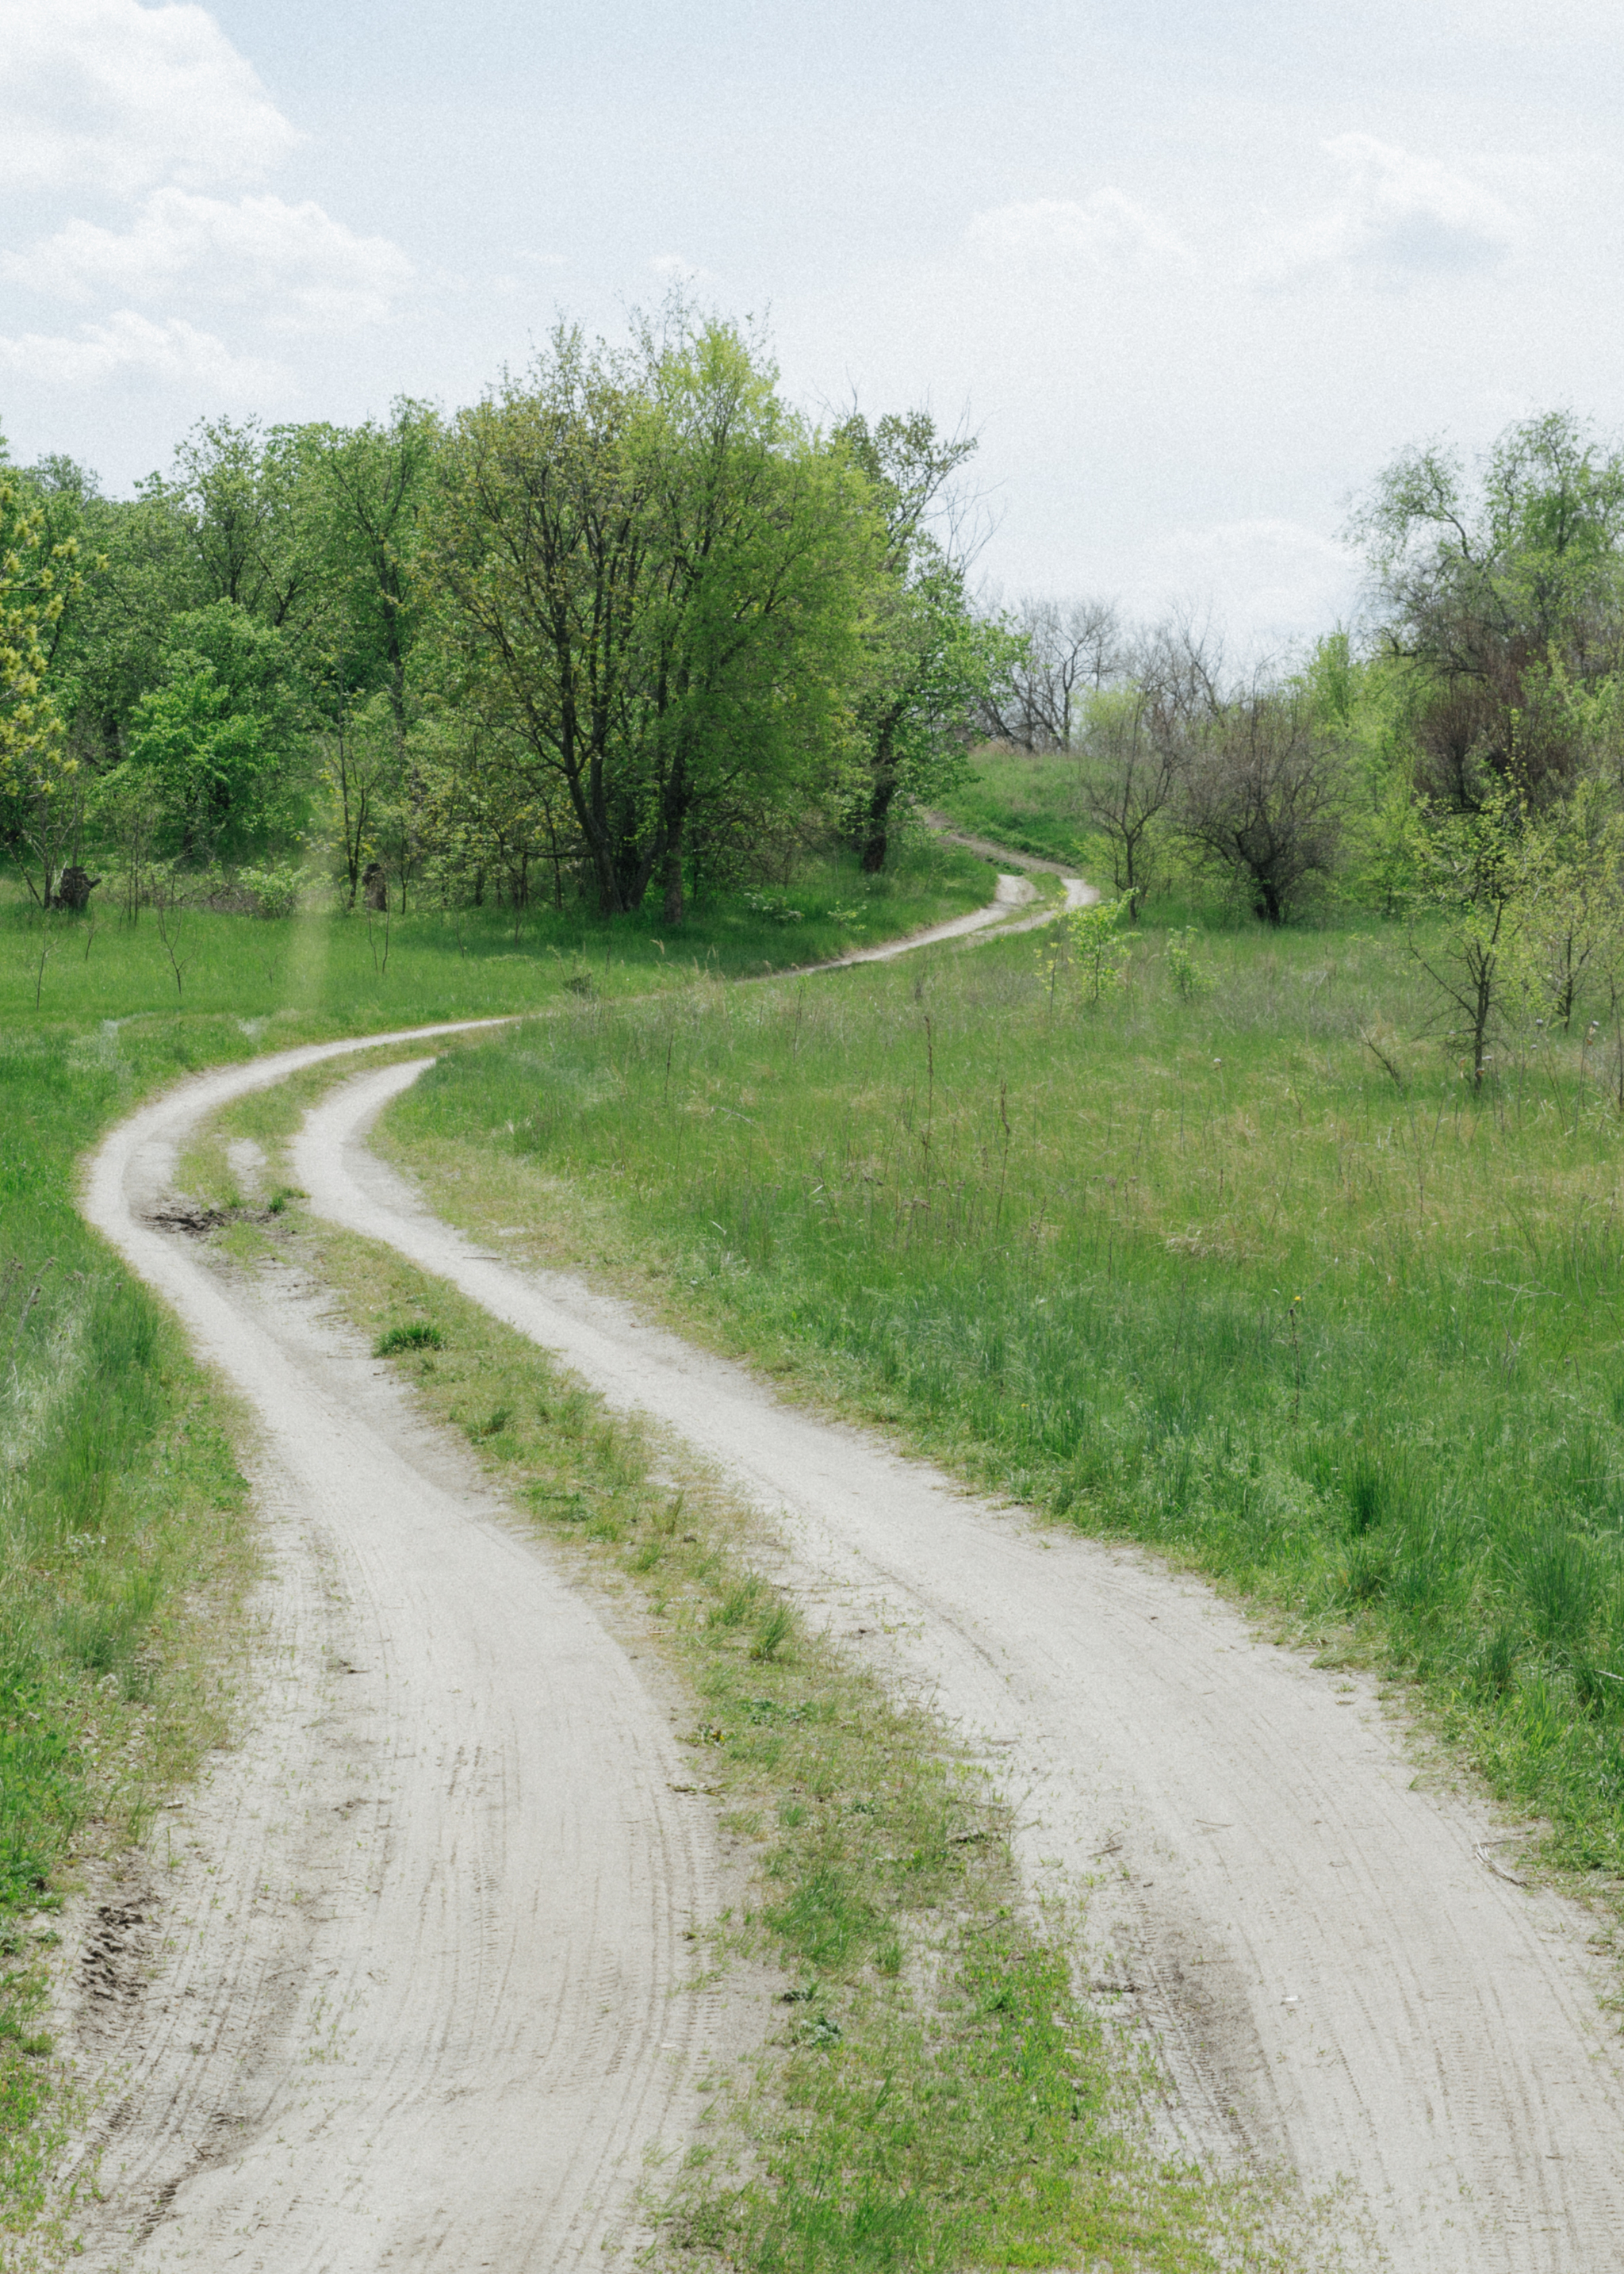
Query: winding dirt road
x=457 y=2045
x=416 y=1986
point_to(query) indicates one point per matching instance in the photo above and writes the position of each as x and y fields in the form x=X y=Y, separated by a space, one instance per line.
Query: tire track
x=418 y=1982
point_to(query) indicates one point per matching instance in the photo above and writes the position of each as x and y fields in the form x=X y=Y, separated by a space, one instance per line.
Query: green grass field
x=1026 y=799
x=1249 y=1274
x=127 y=1537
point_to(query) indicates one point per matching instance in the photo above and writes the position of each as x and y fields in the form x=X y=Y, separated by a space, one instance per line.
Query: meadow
x=1231 y=1259
x=127 y=1540
x=1028 y=799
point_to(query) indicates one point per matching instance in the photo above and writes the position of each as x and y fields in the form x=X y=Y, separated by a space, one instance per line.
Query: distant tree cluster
x=628 y=625
x=1461 y=763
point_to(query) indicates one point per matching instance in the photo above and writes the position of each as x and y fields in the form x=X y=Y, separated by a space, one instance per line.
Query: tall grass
x=1236 y=1264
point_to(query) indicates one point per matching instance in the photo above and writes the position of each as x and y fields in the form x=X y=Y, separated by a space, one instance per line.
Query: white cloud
x=305 y=271
x=1280 y=579
x=1398 y=216
x=109 y=91
x=132 y=346
x=1106 y=232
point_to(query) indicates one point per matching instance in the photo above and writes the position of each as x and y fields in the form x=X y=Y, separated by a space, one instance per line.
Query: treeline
x=1460 y=760
x=630 y=625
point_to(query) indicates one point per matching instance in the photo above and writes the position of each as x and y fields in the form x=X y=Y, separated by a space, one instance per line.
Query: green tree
x=42 y=792
x=366 y=486
x=238 y=495
x=1496 y=592
x=657 y=570
x=760 y=540
x=1472 y=892
x=930 y=665
x=217 y=737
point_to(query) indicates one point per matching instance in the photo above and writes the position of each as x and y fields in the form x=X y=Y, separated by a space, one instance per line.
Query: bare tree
x=1133 y=761
x=1262 y=798
x=1137 y=742
x=1180 y=663
x=1072 y=648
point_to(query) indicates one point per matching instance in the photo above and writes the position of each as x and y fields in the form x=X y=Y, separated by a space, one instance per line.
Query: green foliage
x=1088 y=941
x=1191 y=977
x=655 y=570
x=41 y=788
x=930 y=662
x=420 y=1334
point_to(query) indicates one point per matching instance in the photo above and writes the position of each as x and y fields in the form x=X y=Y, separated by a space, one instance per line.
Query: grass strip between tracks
x=936 y=2095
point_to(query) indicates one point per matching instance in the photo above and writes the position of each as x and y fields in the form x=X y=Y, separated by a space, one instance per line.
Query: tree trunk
x=876 y=836
x=877 y=821
x=675 y=819
x=675 y=905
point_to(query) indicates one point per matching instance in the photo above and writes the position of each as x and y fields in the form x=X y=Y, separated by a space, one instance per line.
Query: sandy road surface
x=1012 y=894
x=408 y=1984
x=1336 y=1976
x=414 y=1994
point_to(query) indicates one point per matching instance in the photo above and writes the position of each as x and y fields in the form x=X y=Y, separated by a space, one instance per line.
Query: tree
x=1133 y=761
x=217 y=737
x=366 y=487
x=238 y=496
x=41 y=793
x=1473 y=873
x=929 y=663
x=538 y=551
x=1263 y=797
x=1070 y=651
x=761 y=540
x=358 y=764
x=1572 y=919
x=658 y=569
x=1496 y=594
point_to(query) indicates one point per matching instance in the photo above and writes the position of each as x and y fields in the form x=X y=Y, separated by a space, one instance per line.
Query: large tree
x=1503 y=593
x=42 y=789
x=661 y=566
x=929 y=661
x=1262 y=797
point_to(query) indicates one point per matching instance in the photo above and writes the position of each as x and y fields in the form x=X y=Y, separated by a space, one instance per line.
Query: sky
x=1192 y=270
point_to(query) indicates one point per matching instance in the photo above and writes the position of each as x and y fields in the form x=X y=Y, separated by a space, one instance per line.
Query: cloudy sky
x=1194 y=269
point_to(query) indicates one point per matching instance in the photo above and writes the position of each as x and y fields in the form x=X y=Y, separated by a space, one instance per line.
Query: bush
x=276 y=891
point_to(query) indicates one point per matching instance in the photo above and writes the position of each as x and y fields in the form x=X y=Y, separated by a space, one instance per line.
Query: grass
x=126 y=1539
x=936 y=2095
x=1241 y=1267
x=1028 y=800
x=353 y=973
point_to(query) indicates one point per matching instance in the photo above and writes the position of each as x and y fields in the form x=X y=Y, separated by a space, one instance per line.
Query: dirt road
x=1012 y=894
x=413 y=1984
x=408 y=1982
x=432 y=1910
x=1337 y=1978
